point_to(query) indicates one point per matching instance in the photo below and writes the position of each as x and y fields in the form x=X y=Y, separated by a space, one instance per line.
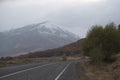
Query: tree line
x=102 y=42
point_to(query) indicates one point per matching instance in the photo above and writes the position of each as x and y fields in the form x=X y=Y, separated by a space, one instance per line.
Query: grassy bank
x=101 y=71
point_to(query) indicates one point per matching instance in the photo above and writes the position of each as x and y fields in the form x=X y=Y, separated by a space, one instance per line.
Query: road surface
x=41 y=71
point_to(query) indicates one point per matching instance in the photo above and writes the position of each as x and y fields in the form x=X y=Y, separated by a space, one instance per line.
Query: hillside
x=71 y=49
x=47 y=55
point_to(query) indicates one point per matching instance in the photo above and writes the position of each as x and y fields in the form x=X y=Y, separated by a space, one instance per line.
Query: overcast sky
x=75 y=15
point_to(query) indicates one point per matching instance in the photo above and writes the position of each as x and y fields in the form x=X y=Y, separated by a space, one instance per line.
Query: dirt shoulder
x=103 y=71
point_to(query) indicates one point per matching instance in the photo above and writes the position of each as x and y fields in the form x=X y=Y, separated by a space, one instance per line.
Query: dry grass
x=17 y=61
x=101 y=71
x=6 y=63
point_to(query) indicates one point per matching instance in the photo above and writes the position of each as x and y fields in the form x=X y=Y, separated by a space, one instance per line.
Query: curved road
x=40 y=71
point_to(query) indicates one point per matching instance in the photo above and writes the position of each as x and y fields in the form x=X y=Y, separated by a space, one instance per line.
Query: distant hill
x=34 y=37
x=71 y=49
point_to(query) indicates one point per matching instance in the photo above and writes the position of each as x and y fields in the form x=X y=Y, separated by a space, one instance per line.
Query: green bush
x=102 y=42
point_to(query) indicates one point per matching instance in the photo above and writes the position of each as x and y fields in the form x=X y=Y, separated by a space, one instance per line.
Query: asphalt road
x=41 y=71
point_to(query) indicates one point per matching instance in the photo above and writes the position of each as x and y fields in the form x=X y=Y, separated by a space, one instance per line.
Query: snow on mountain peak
x=45 y=28
x=48 y=25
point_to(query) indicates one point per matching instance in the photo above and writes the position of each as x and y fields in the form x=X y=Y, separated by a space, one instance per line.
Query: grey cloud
x=77 y=18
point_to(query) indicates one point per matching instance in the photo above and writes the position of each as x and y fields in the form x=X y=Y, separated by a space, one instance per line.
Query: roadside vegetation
x=101 y=53
x=102 y=42
x=64 y=58
x=12 y=61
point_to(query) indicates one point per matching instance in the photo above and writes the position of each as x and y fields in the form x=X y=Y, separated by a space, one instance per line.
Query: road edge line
x=62 y=72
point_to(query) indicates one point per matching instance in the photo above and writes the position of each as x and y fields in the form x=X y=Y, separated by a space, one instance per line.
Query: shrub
x=102 y=42
x=64 y=57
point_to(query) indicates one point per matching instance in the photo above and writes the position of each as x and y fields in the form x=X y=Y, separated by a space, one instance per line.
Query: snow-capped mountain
x=41 y=36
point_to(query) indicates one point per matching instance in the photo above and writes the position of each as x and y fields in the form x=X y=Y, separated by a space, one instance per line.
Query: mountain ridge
x=40 y=36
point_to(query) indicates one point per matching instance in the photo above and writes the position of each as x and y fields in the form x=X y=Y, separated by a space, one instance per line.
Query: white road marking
x=62 y=72
x=25 y=70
